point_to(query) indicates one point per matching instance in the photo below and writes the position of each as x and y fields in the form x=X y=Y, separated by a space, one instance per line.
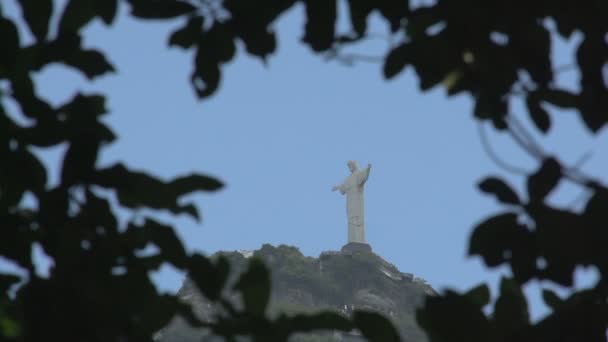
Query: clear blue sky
x=279 y=136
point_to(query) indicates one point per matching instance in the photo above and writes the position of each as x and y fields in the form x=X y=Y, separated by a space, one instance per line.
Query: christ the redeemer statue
x=353 y=188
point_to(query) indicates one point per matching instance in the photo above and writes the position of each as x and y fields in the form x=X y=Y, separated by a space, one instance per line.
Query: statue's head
x=352 y=165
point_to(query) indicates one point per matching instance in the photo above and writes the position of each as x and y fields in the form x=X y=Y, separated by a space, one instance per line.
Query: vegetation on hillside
x=340 y=282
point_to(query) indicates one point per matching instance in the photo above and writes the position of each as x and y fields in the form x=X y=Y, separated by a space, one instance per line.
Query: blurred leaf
x=220 y=39
x=17 y=239
x=552 y=299
x=206 y=77
x=375 y=327
x=167 y=241
x=596 y=210
x=562 y=241
x=79 y=160
x=187 y=36
x=22 y=172
x=359 y=11
x=160 y=9
x=396 y=60
x=254 y=286
x=207 y=276
x=92 y=63
x=544 y=180
x=532 y=42
x=394 y=11
x=454 y=317
x=560 y=98
x=31 y=105
x=32 y=171
x=76 y=14
x=539 y=115
x=137 y=189
x=258 y=42
x=452 y=80
x=500 y=189
x=107 y=10
x=6 y=281
x=591 y=57
x=37 y=14
x=10 y=43
x=159 y=314
x=511 y=308
x=320 y=24
x=491 y=106
x=498 y=237
x=84 y=106
x=9 y=328
x=479 y=295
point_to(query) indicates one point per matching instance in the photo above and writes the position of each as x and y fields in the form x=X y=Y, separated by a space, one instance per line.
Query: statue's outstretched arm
x=365 y=175
x=338 y=187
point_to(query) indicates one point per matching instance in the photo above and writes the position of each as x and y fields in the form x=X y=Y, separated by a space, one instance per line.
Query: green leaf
x=375 y=327
x=9 y=328
x=254 y=285
x=396 y=60
x=500 y=189
x=453 y=81
x=544 y=180
x=37 y=14
x=187 y=36
x=160 y=9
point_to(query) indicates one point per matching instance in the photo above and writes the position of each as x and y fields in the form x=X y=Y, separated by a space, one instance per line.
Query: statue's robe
x=353 y=188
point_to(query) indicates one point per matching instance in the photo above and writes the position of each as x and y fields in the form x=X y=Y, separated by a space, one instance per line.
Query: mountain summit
x=353 y=278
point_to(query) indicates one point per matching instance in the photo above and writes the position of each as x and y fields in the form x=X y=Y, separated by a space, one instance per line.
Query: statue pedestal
x=356 y=247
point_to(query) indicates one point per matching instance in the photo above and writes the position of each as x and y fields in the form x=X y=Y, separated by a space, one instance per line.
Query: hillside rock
x=337 y=280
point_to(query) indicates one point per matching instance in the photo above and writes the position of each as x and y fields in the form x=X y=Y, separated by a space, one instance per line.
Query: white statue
x=353 y=188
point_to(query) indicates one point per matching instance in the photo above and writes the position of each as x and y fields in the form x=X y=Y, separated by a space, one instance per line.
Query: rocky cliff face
x=339 y=281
